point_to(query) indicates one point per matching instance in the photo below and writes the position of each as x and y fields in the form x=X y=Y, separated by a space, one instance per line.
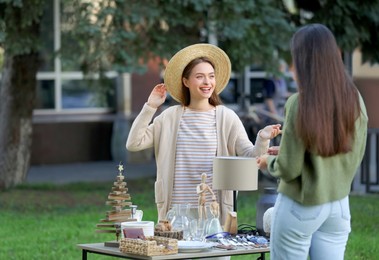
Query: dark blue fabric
x=268 y=90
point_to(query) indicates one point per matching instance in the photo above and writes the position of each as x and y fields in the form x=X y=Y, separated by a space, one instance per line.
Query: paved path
x=87 y=172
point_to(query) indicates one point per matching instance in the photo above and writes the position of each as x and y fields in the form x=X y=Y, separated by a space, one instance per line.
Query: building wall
x=142 y=84
x=366 y=77
x=71 y=142
x=369 y=89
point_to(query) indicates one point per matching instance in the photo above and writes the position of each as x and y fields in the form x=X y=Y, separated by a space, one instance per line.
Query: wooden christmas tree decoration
x=118 y=198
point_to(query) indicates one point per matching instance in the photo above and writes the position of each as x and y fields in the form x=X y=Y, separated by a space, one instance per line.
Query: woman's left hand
x=270 y=131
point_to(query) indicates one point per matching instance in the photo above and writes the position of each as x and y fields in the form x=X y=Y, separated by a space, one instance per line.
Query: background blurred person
x=275 y=94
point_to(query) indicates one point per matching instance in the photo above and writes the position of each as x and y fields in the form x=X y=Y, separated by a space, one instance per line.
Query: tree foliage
x=16 y=19
x=354 y=23
x=123 y=35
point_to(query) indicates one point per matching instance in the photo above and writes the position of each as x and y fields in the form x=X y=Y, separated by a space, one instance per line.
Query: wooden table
x=99 y=248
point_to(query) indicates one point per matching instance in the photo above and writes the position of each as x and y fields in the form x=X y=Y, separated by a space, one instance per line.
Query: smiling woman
x=195 y=131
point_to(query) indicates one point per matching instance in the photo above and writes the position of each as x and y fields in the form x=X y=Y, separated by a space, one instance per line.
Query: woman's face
x=201 y=82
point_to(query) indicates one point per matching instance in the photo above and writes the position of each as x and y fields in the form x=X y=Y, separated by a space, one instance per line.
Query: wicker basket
x=170 y=234
x=150 y=247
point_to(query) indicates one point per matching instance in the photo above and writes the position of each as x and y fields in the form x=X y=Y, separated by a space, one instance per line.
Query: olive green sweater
x=307 y=177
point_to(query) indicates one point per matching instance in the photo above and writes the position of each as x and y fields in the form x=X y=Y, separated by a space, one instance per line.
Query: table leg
x=84 y=254
x=262 y=257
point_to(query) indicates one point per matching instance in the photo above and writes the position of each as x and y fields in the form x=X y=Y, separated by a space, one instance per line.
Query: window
x=83 y=94
x=61 y=85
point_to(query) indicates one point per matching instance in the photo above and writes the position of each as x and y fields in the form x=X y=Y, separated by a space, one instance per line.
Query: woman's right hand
x=270 y=131
x=262 y=162
x=157 y=96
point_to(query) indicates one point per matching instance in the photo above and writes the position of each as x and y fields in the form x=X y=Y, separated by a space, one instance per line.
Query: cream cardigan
x=232 y=140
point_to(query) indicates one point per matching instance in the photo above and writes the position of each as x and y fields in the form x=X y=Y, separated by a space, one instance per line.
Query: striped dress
x=195 y=150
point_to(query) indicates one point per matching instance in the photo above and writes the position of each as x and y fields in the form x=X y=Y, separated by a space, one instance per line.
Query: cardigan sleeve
x=141 y=134
x=243 y=145
x=261 y=145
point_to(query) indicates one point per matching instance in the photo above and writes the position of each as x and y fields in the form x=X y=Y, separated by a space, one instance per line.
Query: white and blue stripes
x=195 y=150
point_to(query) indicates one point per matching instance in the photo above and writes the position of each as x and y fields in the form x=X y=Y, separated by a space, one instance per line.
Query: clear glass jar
x=179 y=221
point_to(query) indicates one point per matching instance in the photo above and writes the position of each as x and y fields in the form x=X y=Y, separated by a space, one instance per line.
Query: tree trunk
x=17 y=98
x=18 y=88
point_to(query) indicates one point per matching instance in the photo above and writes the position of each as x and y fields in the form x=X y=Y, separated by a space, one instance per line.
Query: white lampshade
x=235 y=173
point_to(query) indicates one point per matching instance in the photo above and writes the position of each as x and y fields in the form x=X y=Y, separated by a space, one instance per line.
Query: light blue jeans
x=319 y=231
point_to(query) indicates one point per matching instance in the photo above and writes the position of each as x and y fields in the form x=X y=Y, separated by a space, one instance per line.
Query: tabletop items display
x=190 y=229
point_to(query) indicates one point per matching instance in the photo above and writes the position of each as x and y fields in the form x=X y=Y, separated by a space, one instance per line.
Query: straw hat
x=175 y=67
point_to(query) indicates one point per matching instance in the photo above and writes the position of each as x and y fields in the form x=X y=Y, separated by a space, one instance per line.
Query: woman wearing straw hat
x=186 y=137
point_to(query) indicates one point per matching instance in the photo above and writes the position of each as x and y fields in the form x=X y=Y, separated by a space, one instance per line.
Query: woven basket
x=170 y=234
x=152 y=246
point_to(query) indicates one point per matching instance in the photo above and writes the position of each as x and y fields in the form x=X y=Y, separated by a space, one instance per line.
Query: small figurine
x=201 y=190
x=215 y=207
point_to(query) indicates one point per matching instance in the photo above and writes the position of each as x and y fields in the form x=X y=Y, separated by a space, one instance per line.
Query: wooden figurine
x=201 y=190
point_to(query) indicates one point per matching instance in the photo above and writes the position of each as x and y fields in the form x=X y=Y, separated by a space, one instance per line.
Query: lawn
x=48 y=221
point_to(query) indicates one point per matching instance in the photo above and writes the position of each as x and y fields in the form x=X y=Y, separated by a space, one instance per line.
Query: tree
x=19 y=25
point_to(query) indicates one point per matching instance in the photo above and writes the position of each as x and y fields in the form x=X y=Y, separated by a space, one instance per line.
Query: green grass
x=48 y=221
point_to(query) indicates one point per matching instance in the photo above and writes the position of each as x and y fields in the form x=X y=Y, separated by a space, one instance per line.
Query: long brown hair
x=328 y=98
x=214 y=100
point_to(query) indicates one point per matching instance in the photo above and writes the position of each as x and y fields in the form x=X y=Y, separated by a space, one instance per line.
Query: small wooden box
x=152 y=246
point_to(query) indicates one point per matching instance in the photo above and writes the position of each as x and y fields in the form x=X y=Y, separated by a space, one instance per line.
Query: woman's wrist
x=260 y=135
x=150 y=105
